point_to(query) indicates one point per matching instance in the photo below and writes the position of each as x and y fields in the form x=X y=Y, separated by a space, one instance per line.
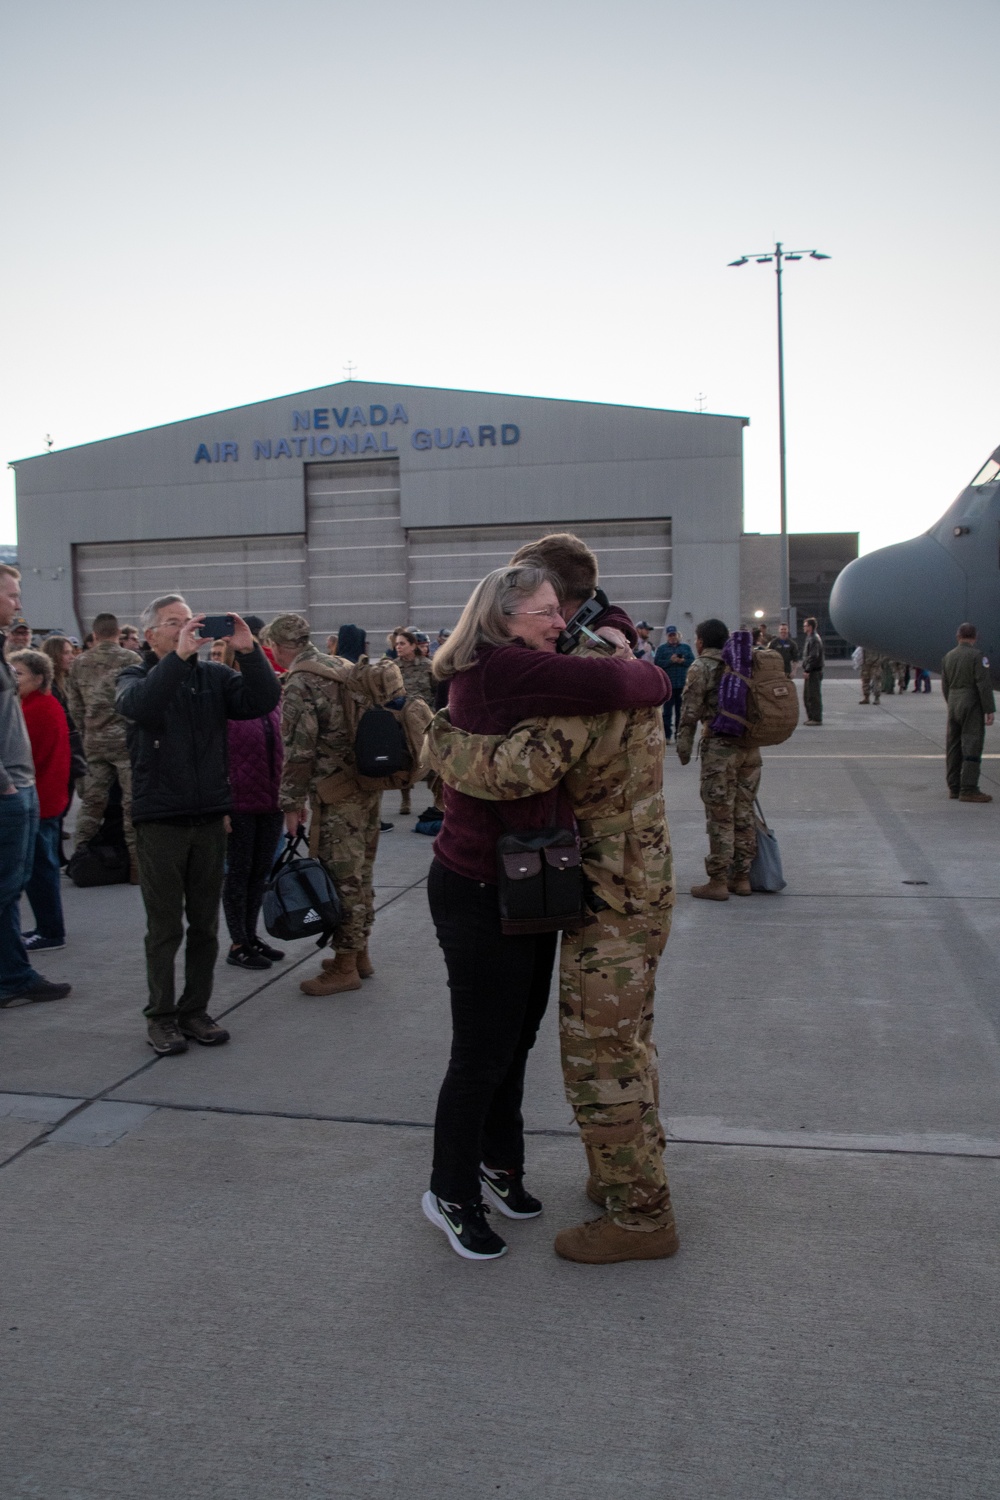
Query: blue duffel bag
x=765 y=872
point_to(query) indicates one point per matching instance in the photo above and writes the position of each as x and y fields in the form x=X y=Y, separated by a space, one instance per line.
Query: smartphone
x=214 y=627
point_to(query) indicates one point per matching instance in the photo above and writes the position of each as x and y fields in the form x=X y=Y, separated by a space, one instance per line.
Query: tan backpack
x=370 y=689
x=772 y=702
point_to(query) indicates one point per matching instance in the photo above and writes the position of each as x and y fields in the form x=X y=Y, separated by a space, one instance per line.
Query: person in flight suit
x=968 y=692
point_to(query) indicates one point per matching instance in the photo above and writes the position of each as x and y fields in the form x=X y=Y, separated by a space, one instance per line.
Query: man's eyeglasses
x=551 y=613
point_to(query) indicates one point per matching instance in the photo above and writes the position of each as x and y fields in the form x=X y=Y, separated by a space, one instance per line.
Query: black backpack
x=380 y=748
x=300 y=899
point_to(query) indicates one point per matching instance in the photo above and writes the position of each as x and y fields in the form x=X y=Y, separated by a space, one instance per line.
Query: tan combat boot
x=974 y=797
x=404 y=802
x=601 y=1241
x=714 y=889
x=739 y=885
x=365 y=967
x=340 y=976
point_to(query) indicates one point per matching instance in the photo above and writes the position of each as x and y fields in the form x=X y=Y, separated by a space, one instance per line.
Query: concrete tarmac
x=218 y=1282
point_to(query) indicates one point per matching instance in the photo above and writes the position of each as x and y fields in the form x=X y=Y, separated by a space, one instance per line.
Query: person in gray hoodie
x=20 y=984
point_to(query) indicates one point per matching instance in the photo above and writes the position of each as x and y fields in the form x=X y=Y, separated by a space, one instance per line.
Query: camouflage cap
x=289 y=630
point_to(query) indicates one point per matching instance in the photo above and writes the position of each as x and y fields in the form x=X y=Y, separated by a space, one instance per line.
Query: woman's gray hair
x=484 y=618
x=149 y=615
x=37 y=663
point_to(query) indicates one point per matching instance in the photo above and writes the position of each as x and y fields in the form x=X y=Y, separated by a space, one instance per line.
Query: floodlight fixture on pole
x=778 y=256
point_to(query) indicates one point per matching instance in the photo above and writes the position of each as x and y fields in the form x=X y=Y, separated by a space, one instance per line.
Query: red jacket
x=48 y=732
x=511 y=683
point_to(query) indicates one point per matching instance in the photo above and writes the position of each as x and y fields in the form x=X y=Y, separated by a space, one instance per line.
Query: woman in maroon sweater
x=501 y=665
x=48 y=731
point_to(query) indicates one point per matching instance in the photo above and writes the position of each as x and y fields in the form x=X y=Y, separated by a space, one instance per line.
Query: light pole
x=778 y=255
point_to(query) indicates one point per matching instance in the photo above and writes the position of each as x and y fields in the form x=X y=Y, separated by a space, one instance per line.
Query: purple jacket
x=255 y=760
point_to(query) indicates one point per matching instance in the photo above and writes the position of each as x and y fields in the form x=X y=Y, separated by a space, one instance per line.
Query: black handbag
x=300 y=899
x=540 y=881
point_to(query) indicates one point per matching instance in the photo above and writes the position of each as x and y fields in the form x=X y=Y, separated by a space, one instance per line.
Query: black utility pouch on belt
x=540 y=881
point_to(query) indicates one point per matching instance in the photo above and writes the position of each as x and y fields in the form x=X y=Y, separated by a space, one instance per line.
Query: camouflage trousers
x=97 y=784
x=730 y=776
x=607 y=977
x=871 y=678
x=346 y=840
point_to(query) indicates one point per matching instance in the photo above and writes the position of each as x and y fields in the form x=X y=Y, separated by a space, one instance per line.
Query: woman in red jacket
x=48 y=731
x=501 y=666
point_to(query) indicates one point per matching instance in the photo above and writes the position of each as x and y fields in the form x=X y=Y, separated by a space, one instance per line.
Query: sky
x=214 y=203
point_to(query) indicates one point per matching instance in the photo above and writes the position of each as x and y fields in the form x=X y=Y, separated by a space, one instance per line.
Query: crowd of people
x=543 y=748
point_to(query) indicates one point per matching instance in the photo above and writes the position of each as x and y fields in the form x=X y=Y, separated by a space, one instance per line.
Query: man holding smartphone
x=176 y=708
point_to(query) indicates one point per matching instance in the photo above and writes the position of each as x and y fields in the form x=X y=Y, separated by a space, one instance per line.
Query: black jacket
x=812 y=655
x=176 y=714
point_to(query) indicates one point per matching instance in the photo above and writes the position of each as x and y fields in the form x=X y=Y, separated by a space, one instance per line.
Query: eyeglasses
x=551 y=613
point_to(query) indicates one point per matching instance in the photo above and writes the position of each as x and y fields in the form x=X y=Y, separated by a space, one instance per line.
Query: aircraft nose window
x=989 y=471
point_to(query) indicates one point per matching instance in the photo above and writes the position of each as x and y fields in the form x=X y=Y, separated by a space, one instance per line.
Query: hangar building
x=380 y=505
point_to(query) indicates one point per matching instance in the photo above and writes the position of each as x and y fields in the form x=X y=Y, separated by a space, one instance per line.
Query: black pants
x=812 y=697
x=180 y=873
x=249 y=857
x=499 y=990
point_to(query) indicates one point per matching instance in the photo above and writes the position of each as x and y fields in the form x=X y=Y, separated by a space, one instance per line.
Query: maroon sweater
x=511 y=683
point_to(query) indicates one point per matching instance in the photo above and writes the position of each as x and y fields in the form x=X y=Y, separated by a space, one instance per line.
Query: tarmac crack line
x=53 y=1125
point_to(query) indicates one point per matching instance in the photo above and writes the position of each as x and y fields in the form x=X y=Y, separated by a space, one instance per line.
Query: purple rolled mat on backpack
x=734 y=686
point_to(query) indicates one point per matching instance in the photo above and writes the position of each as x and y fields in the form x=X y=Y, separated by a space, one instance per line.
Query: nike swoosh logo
x=455 y=1228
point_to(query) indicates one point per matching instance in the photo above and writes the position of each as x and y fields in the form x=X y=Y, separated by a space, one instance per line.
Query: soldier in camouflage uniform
x=418 y=680
x=730 y=773
x=322 y=700
x=613 y=769
x=90 y=693
x=873 y=665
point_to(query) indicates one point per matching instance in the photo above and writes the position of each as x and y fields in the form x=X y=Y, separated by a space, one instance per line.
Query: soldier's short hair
x=570 y=561
x=151 y=613
x=966 y=632
x=7 y=570
x=105 y=626
x=36 y=662
x=712 y=633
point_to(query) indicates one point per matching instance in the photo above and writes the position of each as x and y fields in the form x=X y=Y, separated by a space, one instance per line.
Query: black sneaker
x=466 y=1228
x=165 y=1038
x=247 y=958
x=42 y=989
x=384 y=827
x=265 y=950
x=505 y=1190
x=35 y=943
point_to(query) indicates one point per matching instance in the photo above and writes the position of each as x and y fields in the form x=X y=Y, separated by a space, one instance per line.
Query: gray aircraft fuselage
x=908 y=600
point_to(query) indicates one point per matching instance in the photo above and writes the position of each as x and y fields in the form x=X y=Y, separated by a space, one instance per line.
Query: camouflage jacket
x=418 y=679
x=319 y=715
x=700 y=703
x=613 y=769
x=90 y=693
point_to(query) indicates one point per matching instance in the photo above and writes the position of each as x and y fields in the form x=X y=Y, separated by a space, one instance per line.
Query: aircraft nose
x=902 y=600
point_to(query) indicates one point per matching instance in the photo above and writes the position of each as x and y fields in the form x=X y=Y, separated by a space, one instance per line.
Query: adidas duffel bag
x=300 y=899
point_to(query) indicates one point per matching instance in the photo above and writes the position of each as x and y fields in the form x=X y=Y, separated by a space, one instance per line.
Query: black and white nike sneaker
x=505 y=1190
x=465 y=1226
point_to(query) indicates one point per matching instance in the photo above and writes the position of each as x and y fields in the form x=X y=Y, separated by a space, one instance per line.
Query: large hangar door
x=634 y=558
x=356 y=549
x=258 y=575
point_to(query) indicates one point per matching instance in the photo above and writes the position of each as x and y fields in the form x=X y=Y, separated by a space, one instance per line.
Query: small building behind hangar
x=380 y=505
